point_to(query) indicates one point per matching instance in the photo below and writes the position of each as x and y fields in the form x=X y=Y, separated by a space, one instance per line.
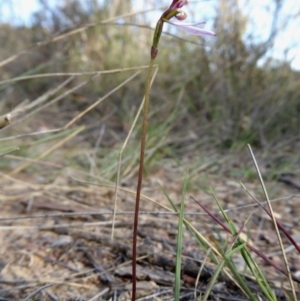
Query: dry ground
x=59 y=234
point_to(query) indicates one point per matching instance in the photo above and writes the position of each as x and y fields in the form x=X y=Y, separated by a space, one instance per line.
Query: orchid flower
x=175 y=10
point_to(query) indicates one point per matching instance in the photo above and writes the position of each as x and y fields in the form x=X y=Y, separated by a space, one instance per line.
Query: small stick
x=274 y=222
x=37 y=291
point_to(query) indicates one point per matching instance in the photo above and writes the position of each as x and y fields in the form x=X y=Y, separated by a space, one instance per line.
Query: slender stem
x=140 y=178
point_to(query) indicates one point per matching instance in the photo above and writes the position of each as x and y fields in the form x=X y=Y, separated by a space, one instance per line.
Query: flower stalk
x=173 y=11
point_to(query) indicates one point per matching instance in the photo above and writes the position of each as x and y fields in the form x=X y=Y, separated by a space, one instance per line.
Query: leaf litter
x=63 y=236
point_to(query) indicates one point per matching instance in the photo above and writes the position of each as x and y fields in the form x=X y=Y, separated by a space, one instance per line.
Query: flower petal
x=192 y=29
x=186 y=24
x=198 y=31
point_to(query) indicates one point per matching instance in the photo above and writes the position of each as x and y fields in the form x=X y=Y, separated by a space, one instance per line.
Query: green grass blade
x=179 y=242
x=168 y=198
x=213 y=280
x=239 y=279
x=227 y=260
x=251 y=264
x=198 y=238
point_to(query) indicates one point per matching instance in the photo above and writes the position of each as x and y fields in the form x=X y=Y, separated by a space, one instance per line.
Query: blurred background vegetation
x=216 y=94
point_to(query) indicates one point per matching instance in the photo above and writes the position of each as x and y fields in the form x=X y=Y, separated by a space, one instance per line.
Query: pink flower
x=175 y=10
x=175 y=6
x=178 y=4
x=193 y=29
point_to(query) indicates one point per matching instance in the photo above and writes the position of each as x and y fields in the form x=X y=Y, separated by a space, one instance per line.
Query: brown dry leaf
x=188 y=280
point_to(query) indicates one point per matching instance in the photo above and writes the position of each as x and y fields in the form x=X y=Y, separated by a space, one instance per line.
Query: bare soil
x=56 y=237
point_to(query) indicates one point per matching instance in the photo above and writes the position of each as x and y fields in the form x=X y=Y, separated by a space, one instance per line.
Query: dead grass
x=59 y=233
x=57 y=190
